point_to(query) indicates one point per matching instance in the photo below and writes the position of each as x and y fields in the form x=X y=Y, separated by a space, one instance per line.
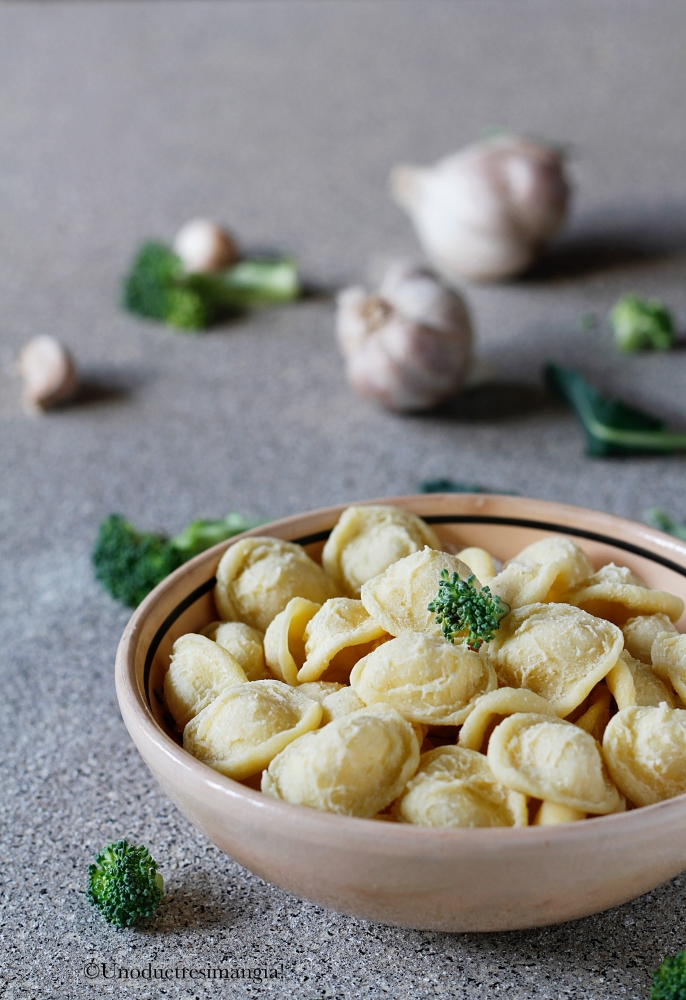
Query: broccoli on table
x=642 y=323
x=669 y=981
x=124 y=883
x=465 y=614
x=130 y=563
x=158 y=287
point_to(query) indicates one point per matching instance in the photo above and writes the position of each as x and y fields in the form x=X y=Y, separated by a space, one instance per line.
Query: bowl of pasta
x=459 y=712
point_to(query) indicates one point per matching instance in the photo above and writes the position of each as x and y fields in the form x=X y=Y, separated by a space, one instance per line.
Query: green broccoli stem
x=250 y=284
x=200 y=535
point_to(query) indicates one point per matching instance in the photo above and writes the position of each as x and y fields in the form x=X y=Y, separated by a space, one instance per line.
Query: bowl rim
x=138 y=715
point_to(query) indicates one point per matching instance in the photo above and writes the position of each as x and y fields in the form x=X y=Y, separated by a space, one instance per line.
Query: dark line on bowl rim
x=321 y=536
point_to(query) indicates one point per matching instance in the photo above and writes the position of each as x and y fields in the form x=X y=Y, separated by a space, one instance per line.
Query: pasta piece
x=639 y=634
x=480 y=563
x=355 y=766
x=668 y=654
x=617 y=594
x=634 y=683
x=427 y=680
x=284 y=640
x=367 y=540
x=341 y=703
x=550 y=759
x=552 y=814
x=243 y=729
x=199 y=670
x=456 y=787
x=319 y=690
x=555 y=650
x=596 y=717
x=341 y=625
x=497 y=705
x=257 y=577
x=645 y=749
x=542 y=572
x=246 y=644
x=398 y=599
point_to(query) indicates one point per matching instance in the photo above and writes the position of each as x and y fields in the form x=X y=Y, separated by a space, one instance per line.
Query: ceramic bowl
x=450 y=880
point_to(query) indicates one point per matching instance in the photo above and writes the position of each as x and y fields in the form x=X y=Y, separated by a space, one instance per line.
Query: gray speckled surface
x=119 y=121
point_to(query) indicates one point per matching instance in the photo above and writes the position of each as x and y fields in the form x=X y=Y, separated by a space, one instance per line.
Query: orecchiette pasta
x=246 y=644
x=639 y=633
x=497 y=705
x=356 y=765
x=456 y=787
x=617 y=594
x=480 y=562
x=244 y=728
x=555 y=650
x=427 y=680
x=645 y=749
x=398 y=599
x=284 y=640
x=634 y=683
x=199 y=670
x=257 y=577
x=668 y=654
x=569 y=709
x=541 y=572
x=341 y=626
x=367 y=540
x=553 y=760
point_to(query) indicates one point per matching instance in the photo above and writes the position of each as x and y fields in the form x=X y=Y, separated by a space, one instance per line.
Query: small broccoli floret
x=130 y=563
x=642 y=323
x=669 y=981
x=158 y=287
x=464 y=613
x=124 y=883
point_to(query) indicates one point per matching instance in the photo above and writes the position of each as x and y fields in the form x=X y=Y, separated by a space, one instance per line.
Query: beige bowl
x=450 y=880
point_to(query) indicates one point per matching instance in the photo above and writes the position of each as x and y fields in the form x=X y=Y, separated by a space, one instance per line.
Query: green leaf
x=612 y=427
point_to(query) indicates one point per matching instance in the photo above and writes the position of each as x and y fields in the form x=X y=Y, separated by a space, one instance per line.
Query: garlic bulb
x=409 y=347
x=48 y=372
x=204 y=247
x=486 y=212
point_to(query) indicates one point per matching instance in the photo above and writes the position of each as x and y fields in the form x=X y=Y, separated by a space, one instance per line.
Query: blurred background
x=282 y=121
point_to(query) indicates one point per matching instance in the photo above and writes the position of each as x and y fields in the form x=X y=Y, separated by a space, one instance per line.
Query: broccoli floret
x=669 y=981
x=642 y=323
x=124 y=883
x=130 y=563
x=465 y=614
x=158 y=287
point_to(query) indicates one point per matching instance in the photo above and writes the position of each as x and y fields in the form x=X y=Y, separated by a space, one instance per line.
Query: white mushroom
x=48 y=372
x=409 y=347
x=486 y=212
x=204 y=247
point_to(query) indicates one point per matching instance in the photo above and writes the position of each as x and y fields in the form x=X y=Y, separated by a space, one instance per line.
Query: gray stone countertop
x=118 y=121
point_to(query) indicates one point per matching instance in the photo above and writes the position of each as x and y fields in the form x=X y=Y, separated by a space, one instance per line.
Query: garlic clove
x=485 y=212
x=48 y=372
x=412 y=290
x=205 y=247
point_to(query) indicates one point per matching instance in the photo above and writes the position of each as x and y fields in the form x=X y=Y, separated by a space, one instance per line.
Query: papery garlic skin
x=48 y=371
x=204 y=247
x=486 y=212
x=409 y=347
